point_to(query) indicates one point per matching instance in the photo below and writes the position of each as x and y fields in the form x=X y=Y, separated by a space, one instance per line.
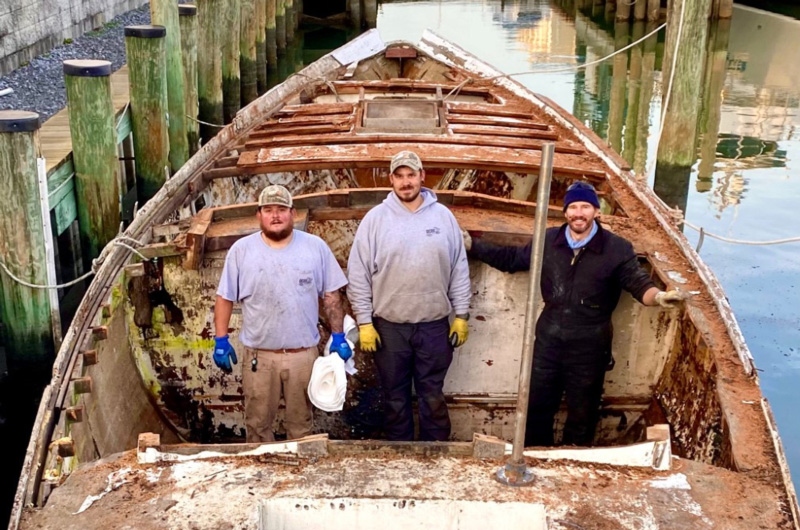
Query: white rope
x=741 y=241
x=565 y=68
x=95 y=265
x=205 y=122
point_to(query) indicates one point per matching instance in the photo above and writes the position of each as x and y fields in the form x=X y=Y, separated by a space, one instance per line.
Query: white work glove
x=669 y=299
x=467 y=240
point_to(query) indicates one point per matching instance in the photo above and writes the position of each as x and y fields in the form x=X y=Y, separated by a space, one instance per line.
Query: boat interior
x=143 y=363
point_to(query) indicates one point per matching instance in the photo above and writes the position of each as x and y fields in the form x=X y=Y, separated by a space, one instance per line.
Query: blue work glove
x=340 y=346
x=224 y=354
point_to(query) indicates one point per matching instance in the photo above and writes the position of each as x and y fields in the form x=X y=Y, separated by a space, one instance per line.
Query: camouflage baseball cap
x=406 y=158
x=275 y=194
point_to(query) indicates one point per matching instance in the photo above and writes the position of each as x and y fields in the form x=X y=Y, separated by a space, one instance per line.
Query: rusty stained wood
x=484 y=109
x=308 y=120
x=497 y=121
x=494 y=130
x=380 y=154
x=196 y=238
x=74 y=414
x=318 y=128
x=364 y=138
x=315 y=109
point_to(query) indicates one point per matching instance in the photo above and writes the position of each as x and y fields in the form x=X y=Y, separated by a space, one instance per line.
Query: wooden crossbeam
x=433 y=155
x=481 y=109
x=308 y=120
x=313 y=109
x=320 y=128
x=497 y=120
x=514 y=132
x=458 y=139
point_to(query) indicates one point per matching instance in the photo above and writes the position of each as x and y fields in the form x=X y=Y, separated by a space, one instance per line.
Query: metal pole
x=515 y=472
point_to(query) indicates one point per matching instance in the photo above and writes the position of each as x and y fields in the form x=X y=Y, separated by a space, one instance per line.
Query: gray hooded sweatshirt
x=408 y=267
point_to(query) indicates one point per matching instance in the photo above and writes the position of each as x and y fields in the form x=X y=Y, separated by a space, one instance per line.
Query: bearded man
x=278 y=275
x=584 y=270
x=408 y=275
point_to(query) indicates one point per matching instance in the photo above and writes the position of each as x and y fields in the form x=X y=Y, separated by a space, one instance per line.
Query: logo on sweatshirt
x=432 y=231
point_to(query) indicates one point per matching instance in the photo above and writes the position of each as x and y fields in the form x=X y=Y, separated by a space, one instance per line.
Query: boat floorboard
x=227 y=492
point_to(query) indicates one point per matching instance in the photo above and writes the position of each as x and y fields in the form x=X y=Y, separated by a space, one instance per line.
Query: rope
x=96 y=263
x=201 y=122
x=566 y=68
x=741 y=241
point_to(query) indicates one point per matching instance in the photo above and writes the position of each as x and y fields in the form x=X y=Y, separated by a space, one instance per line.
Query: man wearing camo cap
x=278 y=275
x=408 y=275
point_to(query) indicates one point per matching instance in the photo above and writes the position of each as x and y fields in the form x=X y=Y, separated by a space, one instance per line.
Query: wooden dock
x=54 y=134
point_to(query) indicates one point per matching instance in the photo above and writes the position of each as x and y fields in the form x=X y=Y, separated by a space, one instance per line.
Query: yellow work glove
x=459 y=331
x=669 y=299
x=369 y=338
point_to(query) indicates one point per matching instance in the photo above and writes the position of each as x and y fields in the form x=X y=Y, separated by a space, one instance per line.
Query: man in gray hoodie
x=408 y=273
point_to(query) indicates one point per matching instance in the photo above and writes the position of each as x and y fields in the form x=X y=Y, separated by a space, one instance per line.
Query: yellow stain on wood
x=54 y=134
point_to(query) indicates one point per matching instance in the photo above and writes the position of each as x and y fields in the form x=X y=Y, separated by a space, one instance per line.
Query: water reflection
x=739 y=180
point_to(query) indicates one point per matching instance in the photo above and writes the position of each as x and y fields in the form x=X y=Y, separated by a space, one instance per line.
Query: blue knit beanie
x=581 y=192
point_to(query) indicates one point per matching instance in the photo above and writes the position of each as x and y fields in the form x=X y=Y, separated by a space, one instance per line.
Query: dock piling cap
x=187 y=10
x=146 y=31
x=12 y=121
x=87 y=68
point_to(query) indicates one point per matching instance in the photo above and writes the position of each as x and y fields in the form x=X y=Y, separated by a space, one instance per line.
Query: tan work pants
x=276 y=372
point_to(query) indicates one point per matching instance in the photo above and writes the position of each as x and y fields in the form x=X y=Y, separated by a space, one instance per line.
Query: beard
x=410 y=198
x=580 y=230
x=280 y=235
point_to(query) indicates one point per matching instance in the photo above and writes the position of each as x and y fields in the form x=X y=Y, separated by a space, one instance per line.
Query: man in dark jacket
x=584 y=270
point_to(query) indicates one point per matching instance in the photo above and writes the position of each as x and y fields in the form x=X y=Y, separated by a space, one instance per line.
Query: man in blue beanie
x=584 y=270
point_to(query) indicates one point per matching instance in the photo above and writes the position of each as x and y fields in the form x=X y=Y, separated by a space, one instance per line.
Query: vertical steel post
x=515 y=472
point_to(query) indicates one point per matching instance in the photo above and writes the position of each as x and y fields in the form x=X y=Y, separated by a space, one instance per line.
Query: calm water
x=745 y=183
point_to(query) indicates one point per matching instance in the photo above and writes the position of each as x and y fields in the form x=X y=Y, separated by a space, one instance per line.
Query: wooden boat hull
x=149 y=324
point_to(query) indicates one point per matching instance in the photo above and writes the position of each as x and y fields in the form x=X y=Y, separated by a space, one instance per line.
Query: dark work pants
x=571 y=359
x=420 y=353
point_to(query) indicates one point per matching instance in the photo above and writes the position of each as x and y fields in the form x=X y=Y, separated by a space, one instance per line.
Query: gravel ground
x=39 y=86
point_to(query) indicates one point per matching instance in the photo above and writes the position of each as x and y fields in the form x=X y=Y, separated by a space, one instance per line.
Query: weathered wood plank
x=438 y=156
x=497 y=120
x=459 y=139
x=196 y=238
x=491 y=130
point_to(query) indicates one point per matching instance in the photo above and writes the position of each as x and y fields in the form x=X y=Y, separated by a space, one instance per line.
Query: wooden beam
x=89 y=357
x=434 y=156
x=482 y=109
x=497 y=120
x=514 y=132
x=315 y=109
x=82 y=385
x=75 y=414
x=196 y=239
x=459 y=139
x=302 y=129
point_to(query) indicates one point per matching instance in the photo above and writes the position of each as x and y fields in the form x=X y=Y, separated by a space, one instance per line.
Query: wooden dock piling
x=146 y=53
x=231 y=78
x=634 y=92
x=209 y=67
x=653 y=10
x=272 y=43
x=188 y=21
x=165 y=13
x=93 y=131
x=26 y=312
x=290 y=20
x=640 y=10
x=677 y=145
x=623 y=13
x=354 y=10
x=711 y=112
x=280 y=25
x=247 y=52
x=619 y=77
x=370 y=13
x=261 y=46
x=645 y=95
